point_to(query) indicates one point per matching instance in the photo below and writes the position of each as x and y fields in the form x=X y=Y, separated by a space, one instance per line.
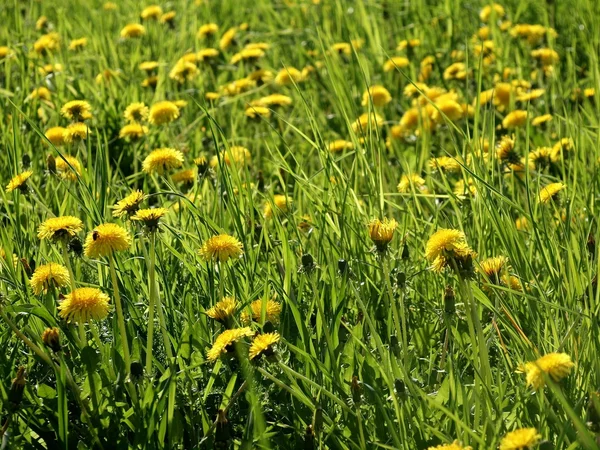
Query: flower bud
x=51 y=339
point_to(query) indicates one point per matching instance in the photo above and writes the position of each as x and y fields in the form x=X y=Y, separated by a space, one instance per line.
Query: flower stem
x=152 y=301
x=65 y=254
x=120 y=318
x=161 y=316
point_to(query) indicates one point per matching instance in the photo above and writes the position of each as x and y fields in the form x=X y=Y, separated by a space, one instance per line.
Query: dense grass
x=377 y=350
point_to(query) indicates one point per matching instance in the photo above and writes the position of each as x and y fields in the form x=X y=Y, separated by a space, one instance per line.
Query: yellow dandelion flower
x=521 y=223
x=281 y=203
x=515 y=119
x=446 y=246
x=68 y=168
x=342 y=48
x=48 y=276
x=520 y=439
x=183 y=71
x=247 y=54
x=381 y=232
x=163 y=112
x=133 y=131
x=151 y=12
x=272 y=311
x=57 y=228
x=505 y=148
x=493 y=268
x=367 y=121
x=263 y=345
x=288 y=75
x=340 y=145
x=546 y=56
x=84 y=304
x=149 y=66
x=236 y=155
x=208 y=29
x=136 y=112
x=47 y=43
x=106 y=239
x=378 y=94
x=109 y=6
x=549 y=192
x=274 y=100
x=76 y=132
x=228 y=38
x=77 y=110
x=133 y=30
x=408 y=43
x=43 y=93
x=207 y=54
x=445 y=108
x=150 y=217
x=161 y=160
x=396 y=62
x=565 y=144
x=410 y=182
x=487 y=11
x=19 y=182
x=221 y=248
x=445 y=164
x=225 y=342
x=541 y=120
x=455 y=71
x=454 y=446
x=256 y=112
x=5 y=52
x=78 y=44
x=223 y=310
x=187 y=176
x=128 y=205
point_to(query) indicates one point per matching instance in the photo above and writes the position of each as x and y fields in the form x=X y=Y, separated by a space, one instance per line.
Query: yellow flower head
x=235 y=155
x=487 y=10
x=129 y=205
x=133 y=30
x=56 y=135
x=221 y=248
x=106 y=239
x=397 y=62
x=133 y=131
x=410 y=182
x=515 y=119
x=445 y=164
x=281 y=203
x=493 y=268
x=447 y=245
x=263 y=345
x=42 y=93
x=555 y=365
x=75 y=132
x=223 y=310
x=57 y=228
x=550 y=191
x=541 y=120
x=454 y=446
x=151 y=12
x=150 y=217
x=505 y=149
x=47 y=276
x=136 y=112
x=378 y=94
x=149 y=66
x=247 y=54
x=275 y=100
x=381 y=232
x=183 y=71
x=186 y=176
x=228 y=38
x=84 y=304
x=207 y=54
x=77 y=110
x=256 y=112
x=19 y=182
x=272 y=311
x=288 y=75
x=225 y=342
x=68 y=168
x=78 y=44
x=161 y=160
x=520 y=439
x=208 y=29
x=5 y=52
x=47 y=43
x=367 y=121
x=163 y=112
x=340 y=145
x=546 y=56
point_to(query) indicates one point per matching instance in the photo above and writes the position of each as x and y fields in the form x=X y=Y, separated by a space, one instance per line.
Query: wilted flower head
x=555 y=365
x=225 y=342
x=84 y=304
x=381 y=232
x=129 y=205
x=521 y=439
x=448 y=246
x=106 y=239
x=161 y=160
x=263 y=345
x=51 y=338
x=221 y=248
x=58 y=228
x=47 y=276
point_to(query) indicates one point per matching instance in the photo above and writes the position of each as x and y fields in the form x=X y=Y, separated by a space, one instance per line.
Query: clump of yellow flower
x=272 y=311
x=128 y=205
x=225 y=342
x=550 y=191
x=19 y=181
x=381 y=232
x=84 y=304
x=106 y=239
x=221 y=248
x=263 y=345
x=223 y=310
x=161 y=160
x=554 y=365
x=521 y=439
x=448 y=246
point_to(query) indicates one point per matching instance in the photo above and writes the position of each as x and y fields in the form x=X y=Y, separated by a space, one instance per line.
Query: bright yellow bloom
x=247 y=54
x=223 y=310
x=42 y=93
x=19 y=181
x=5 y=52
x=281 y=202
x=78 y=44
x=151 y=12
x=520 y=439
x=410 y=182
x=515 y=119
x=163 y=112
x=207 y=54
x=397 y=62
x=106 y=239
x=555 y=365
x=168 y=17
x=381 y=232
x=68 y=168
x=273 y=100
x=47 y=276
x=494 y=267
x=77 y=110
x=272 y=311
x=454 y=446
x=133 y=131
x=445 y=164
x=129 y=205
x=289 y=75
x=136 y=112
x=161 y=160
x=456 y=71
x=76 y=132
x=487 y=10
x=208 y=29
x=445 y=246
x=255 y=112
x=84 y=304
x=186 y=176
x=546 y=56
x=505 y=148
x=221 y=248
x=57 y=228
x=541 y=120
x=340 y=145
x=183 y=71
x=263 y=345
x=225 y=342
x=367 y=121
x=133 y=30
x=47 y=43
x=150 y=217
x=378 y=94
x=149 y=66
x=228 y=38
x=550 y=191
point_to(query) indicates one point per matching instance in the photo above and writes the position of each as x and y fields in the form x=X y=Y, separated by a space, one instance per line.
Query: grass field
x=299 y=224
